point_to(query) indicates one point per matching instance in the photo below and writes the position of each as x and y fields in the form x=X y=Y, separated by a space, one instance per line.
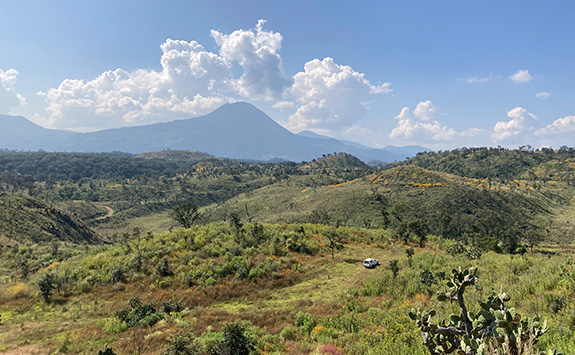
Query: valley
x=95 y=254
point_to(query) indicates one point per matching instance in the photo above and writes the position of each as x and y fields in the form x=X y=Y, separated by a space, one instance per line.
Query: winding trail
x=108 y=215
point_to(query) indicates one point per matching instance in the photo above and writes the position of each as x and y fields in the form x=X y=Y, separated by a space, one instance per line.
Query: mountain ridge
x=237 y=131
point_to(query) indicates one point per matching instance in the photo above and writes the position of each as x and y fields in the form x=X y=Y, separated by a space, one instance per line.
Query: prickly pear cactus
x=495 y=329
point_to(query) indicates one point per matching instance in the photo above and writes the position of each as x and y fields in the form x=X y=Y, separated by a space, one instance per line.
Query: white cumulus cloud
x=564 y=125
x=331 y=96
x=418 y=127
x=257 y=53
x=9 y=98
x=425 y=110
x=520 y=124
x=559 y=132
x=366 y=136
x=521 y=127
x=189 y=84
x=542 y=95
x=522 y=76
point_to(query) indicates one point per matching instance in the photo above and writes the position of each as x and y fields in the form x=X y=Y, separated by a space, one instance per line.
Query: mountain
x=238 y=131
x=407 y=151
x=18 y=133
x=401 y=152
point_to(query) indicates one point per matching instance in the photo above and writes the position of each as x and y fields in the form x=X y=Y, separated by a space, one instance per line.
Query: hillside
x=278 y=283
x=336 y=162
x=332 y=189
x=149 y=183
x=500 y=163
x=27 y=220
x=480 y=212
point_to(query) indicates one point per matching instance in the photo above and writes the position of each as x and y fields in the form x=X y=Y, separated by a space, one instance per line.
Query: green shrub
x=208 y=342
x=114 y=326
x=181 y=345
x=394 y=267
x=117 y=275
x=426 y=277
x=107 y=351
x=376 y=286
x=164 y=284
x=163 y=268
x=305 y=322
x=259 y=271
x=289 y=333
x=169 y=307
x=139 y=314
x=84 y=286
x=349 y=322
x=235 y=341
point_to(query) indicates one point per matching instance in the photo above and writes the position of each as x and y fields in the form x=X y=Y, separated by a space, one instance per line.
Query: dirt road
x=108 y=215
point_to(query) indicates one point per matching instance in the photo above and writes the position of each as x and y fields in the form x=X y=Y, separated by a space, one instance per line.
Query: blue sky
x=442 y=74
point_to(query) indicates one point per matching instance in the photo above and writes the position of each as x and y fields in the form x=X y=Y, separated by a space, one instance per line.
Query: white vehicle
x=370 y=263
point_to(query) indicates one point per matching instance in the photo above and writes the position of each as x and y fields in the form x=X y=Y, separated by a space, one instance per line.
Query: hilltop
x=500 y=163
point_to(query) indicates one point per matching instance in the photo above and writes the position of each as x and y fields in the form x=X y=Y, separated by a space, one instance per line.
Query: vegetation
x=203 y=255
x=25 y=219
x=501 y=163
x=186 y=214
x=494 y=329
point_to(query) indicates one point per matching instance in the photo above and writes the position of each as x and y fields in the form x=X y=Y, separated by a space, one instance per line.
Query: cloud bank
x=194 y=81
x=522 y=127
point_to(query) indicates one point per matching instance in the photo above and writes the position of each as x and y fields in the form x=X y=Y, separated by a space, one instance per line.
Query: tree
x=402 y=232
x=236 y=223
x=419 y=228
x=46 y=284
x=235 y=341
x=394 y=266
x=409 y=252
x=181 y=345
x=319 y=217
x=186 y=214
x=334 y=241
x=163 y=268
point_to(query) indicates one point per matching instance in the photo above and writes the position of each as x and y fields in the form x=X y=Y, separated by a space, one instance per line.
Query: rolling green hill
x=497 y=163
x=466 y=209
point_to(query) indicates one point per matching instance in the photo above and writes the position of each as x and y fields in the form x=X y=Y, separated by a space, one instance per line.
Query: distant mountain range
x=237 y=131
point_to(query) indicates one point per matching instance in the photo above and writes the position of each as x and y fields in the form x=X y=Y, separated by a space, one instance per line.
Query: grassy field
x=353 y=309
